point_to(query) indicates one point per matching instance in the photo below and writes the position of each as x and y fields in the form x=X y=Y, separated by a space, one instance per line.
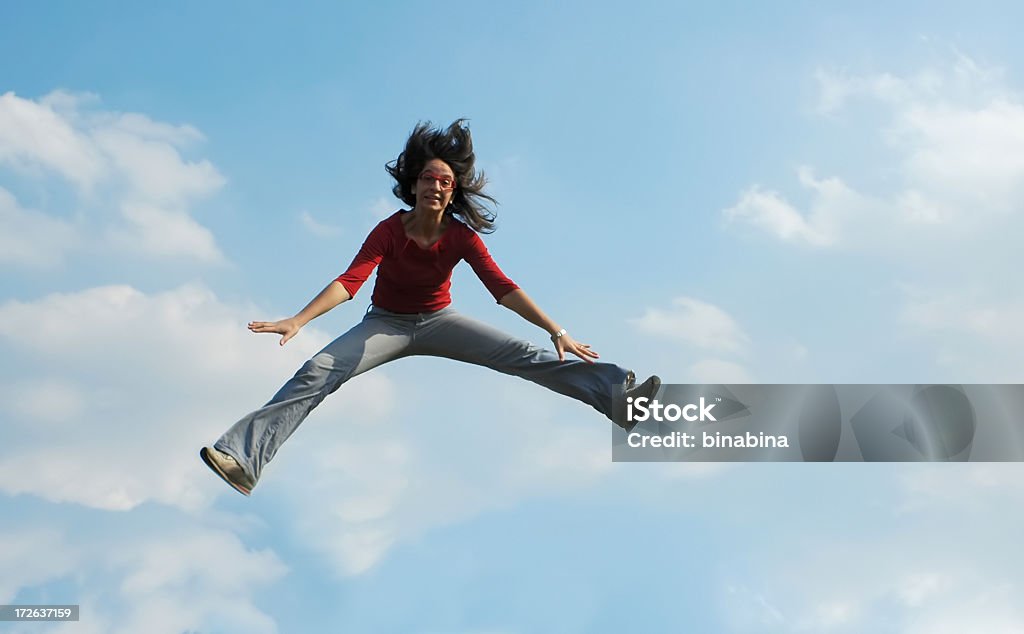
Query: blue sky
x=720 y=192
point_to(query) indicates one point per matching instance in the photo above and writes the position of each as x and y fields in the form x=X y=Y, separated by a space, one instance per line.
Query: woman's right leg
x=456 y=336
x=254 y=440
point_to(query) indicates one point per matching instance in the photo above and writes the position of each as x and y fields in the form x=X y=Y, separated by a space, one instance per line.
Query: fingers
x=584 y=352
x=581 y=350
x=260 y=326
x=274 y=327
x=266 y=326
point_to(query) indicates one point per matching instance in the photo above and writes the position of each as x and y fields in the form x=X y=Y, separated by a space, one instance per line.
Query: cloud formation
x=131 y=189
x=942 y=199
x=117 y=389
x=32 y=238
x=954 y=578
x=167 y=580
x=954 y=138
x=694 y=322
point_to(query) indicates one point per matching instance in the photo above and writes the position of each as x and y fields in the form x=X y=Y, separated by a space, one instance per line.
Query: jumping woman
x=414 y=252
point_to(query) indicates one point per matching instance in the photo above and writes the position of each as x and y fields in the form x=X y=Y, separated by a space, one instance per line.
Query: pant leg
x=255 y=439
x=455 y=336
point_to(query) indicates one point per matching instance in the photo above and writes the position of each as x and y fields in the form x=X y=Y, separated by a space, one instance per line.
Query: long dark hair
x=454 y=146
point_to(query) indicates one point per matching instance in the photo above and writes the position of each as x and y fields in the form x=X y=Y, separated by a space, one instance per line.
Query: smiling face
x=435 y=186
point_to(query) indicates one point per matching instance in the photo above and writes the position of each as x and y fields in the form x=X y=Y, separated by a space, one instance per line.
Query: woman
x=416 y=251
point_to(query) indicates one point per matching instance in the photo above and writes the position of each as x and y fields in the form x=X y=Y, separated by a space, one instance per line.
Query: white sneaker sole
x=210 y=462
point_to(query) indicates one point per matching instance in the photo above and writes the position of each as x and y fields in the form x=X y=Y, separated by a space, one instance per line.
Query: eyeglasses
x=446 y=182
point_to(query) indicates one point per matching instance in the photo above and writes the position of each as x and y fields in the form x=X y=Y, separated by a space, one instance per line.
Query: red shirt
x=412 y=279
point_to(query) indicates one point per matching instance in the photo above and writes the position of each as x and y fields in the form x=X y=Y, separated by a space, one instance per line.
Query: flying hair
x=454 y=146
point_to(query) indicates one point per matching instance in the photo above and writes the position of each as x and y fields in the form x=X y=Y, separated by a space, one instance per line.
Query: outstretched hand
x=287 y=327
x=566 y=343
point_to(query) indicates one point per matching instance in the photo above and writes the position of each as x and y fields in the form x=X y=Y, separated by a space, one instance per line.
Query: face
x=435 y=186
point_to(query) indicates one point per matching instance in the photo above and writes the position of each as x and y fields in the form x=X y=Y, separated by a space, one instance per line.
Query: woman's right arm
x=332 y=295
x=338 y=291
x=328 y=298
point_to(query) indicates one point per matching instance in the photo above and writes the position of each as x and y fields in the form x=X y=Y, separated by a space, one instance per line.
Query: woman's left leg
x=254 y=440
x=455 y=336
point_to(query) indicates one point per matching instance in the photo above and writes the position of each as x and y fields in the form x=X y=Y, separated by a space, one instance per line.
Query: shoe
x=648 y=389
x=228 y=469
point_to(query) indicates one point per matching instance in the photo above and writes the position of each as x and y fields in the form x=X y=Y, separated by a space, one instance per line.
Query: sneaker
x=648 y=389
x=228 y=469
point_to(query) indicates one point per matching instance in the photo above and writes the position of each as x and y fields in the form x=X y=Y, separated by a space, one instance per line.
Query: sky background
x=735 y=192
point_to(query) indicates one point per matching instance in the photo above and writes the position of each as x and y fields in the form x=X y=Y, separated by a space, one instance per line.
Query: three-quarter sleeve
x=368 y=257
x=485 y=268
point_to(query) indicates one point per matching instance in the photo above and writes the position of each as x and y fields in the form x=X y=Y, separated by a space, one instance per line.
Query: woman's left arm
x=521 y=304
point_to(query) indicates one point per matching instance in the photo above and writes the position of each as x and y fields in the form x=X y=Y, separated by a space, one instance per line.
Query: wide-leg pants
x=384 y=336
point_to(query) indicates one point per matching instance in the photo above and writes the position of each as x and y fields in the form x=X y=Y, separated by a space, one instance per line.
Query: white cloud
x=165 y=581
x=357 y=495
x=318 y=228
x=705 y=326
x=915 y=589
x=44 y=402
x=972 y=159
x=144 y=380
x=693 y=322
x=944 y=202
x=838 y=215
x=769 y=211
x=831 y=614
x=748 y=610
x=32 y=556
x=955 y=139
x=191 y=581
x=974 y=336
x=355 y=529
x=876 y=584
x=139 y=126
x=33 y=133
x=124 y=162
x=384 y=207
x=32 y=238
x=993 y=610
x=952 y=313
x=836 y=89
x=140 y=383
x=931 y=557
x=971 y=486
x=959 y=78
x=151 y=165
x=798 y=351
x=155 y=231
x=719 y=371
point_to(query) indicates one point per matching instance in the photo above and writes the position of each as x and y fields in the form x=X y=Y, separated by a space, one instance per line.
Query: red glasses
x=446 y=183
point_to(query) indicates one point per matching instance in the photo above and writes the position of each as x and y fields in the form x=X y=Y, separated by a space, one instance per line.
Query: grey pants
x=384 y=336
